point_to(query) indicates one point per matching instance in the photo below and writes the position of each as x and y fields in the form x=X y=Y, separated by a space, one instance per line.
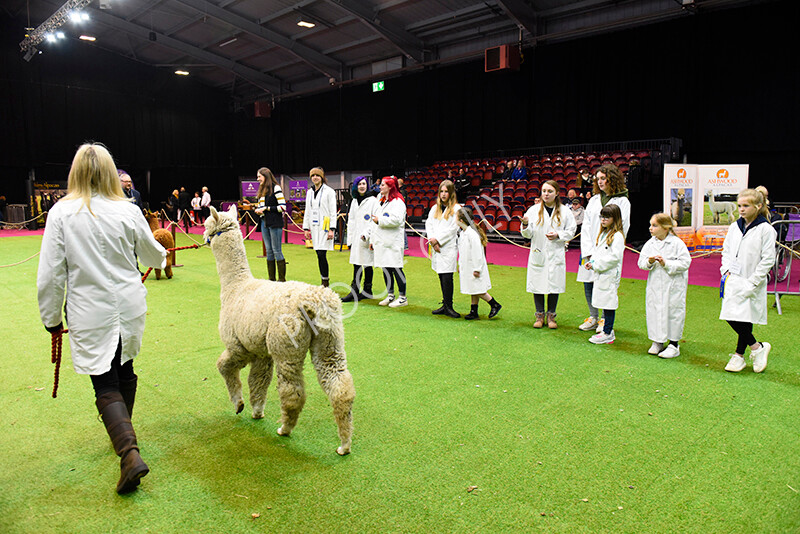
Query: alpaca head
x=218 y=222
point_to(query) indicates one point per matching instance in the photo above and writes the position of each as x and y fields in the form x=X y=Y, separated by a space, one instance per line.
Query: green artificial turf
x=486 y=426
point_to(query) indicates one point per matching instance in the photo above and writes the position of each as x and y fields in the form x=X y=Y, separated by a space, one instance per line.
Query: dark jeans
x=608 y=316
x=746 y=337
x=390 y=274
x=109 y=381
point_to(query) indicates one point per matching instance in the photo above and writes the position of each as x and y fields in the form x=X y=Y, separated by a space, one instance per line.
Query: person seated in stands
x=585 y=181
x=572 y=194
x=520 y=172
x=509 y=169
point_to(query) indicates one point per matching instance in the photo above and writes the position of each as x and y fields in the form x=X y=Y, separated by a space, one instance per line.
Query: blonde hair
x=445 y=210
x=556 y=207
x=612 y=212
x=665 y=221
x=93 y=172
x=757 y=198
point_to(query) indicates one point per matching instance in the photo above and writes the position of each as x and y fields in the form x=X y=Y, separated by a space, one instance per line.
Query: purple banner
x=297 y=190
x=249 y=188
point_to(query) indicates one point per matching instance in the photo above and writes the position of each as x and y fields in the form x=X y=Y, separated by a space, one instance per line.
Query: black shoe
x=350 y=297
x=495 y=309
x=450 y=312
x=440 y=311
x=471 y=315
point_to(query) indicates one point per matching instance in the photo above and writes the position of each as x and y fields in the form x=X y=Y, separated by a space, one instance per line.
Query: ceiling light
x=87 y=38
x=182 y=72
x=50 y=38
x=226 y=43
x=60 y=35
x=305 y=23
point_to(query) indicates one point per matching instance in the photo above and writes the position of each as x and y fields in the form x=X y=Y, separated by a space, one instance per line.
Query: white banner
x=680 y=192
x=719 y=186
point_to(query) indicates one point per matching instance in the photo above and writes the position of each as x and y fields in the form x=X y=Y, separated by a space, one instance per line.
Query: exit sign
x=377 y=86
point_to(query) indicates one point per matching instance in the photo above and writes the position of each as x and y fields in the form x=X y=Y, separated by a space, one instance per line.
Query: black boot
x=473 y=313
x=118 y=425
x=495 y=308
x=353 y=294
x=281 y=270
x=450 y=312
x=127 y=388
x=441 y=310
x=271 y=269
x=366 y=293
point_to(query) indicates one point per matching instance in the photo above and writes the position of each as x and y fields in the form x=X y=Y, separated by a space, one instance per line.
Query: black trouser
x=746 y=338
x=390 y=274
x=552 y=302
x=109 y=381
x=446 y=283
x=322 y=261
x=357 y=274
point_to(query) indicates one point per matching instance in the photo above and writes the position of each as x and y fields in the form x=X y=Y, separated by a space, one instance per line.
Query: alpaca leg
x=258 y=381
x=229 y=366
x=291 y=390
x=168 y=271
x=330 y=362
x=158 y=274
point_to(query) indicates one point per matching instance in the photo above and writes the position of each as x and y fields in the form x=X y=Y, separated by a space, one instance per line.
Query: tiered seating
x=488 y=190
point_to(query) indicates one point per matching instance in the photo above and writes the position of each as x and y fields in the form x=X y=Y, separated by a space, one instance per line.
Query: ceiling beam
x=409 y=45
x=260 y=80
x=523 y=15
x=324 y=64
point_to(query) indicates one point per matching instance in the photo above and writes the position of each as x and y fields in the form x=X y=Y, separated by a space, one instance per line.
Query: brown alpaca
x=164 y=237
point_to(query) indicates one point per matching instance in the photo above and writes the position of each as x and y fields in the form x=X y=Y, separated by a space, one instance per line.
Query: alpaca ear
x=232 y=212
x=214 y=214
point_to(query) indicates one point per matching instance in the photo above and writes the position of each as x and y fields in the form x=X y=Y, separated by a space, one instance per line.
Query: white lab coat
x=445 y=231
x=547 y=265
x=359 y=230
x=665 y=296
x=314 y=218
x=752 y=255
x=471 y=258
x=94 y=257
x=591 y=227
x=607 y=265
x=388 y=235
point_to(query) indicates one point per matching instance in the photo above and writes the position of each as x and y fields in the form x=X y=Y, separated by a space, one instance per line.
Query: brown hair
x=556 y=208
x=445 y=210
x=268 y=186
x=610 y=211
x=464 y=215
x=615 y=179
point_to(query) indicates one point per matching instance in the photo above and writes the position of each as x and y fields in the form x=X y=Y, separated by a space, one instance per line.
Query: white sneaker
x=672 y=351
x=600 y=324
x=603 y=338
x=385 y=302
x=400 y=301
x=735 y=364
x=655 y=348
x=588 y=324
x=759 y=357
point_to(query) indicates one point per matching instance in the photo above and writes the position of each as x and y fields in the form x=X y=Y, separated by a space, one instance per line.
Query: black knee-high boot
x=367 y=292
x=353 y=294
x=448 y=296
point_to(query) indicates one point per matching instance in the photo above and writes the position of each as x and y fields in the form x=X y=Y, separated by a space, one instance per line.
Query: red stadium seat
x=501 y=225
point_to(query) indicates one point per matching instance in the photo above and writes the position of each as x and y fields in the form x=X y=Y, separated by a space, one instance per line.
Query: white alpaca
x=718 y=208
x=264 y=323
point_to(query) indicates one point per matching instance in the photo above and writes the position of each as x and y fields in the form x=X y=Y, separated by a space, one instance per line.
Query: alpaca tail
x=323 y=308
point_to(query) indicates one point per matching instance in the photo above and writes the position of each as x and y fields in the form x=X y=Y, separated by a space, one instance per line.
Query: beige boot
x=539 y=322
x=551 y=320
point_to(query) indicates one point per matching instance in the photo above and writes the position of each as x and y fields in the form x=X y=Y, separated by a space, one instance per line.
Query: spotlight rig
x=56 y=20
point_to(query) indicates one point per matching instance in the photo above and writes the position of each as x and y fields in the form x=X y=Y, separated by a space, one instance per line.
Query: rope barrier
x=20 y=262
x=23 y=223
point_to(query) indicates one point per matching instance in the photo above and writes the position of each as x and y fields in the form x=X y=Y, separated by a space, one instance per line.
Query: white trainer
x=603 y=338
x=759 y=357
x=588 y=324
x=655 y=348
x=388 y=300
x=672 y=351
x=600 y=324
x=400 y=301
x=735 y=364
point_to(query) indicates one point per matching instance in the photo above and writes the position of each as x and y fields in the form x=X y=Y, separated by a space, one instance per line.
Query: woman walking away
x=441 y=227
x=89 y=249
x=271 y=207
x=319 y=220
x=667 y=259
x=748 y=254
x=549 y=225
x=473 y=271
x=359 y=229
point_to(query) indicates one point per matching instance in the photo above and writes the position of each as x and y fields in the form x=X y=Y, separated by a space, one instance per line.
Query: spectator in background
x=509 y=170
x=184 y=207
x=3 y=205
x=171 y=206
x=205 y=202
x=131 y=194
x=196 y=208
x=520 y=172
x=572 y=194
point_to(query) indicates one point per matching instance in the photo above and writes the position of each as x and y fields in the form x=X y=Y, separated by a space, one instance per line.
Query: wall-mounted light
x=182 y=72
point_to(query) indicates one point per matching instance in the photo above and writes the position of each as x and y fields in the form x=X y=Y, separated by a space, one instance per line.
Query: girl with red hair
x=389 y=214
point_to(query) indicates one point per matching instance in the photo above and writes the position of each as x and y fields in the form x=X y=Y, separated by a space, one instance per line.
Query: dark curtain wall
x=150 y=119
x=724 y=82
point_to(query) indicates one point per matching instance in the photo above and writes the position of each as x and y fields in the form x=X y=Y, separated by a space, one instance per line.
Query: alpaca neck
x=231 y=259
x=153 y=224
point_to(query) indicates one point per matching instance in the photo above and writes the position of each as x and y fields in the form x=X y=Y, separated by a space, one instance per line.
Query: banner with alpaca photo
x=680 y=188
x=720 y=184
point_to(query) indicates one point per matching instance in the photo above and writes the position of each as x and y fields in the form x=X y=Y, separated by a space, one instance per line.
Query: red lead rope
x=168 y=250
x=55 y=356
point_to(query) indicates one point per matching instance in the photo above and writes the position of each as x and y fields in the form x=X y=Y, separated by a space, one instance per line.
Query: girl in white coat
x=388 y=240
x=359 y=228
x=748 y=254
x=609 y=187
x=667 y=259
x=319 y=220
x=474 y=273
x=606 y=263
x=549 y=225
x=90 y=247
x=441 y=227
